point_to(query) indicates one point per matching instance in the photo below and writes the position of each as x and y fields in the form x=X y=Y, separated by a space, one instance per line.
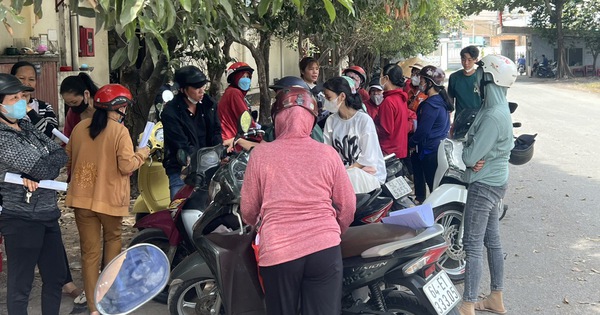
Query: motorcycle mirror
x=516 y=125
x=167 y=95
x=512 y=106
x=183 y=157
x=245 y=121
x=131 y=279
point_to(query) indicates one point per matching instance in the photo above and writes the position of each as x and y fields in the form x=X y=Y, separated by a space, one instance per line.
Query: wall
x=541 y=46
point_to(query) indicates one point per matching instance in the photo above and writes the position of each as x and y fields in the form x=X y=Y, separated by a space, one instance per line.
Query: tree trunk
x=216 y=71
x=595 y=57
x=562 y=65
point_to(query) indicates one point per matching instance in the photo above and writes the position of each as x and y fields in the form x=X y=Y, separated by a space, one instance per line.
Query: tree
x=585 y=22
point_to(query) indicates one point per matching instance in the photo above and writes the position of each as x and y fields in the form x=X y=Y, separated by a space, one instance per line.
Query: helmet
x=358 y=70
x=292 y=96
x=237 y=67
x=433 y=74
x=9 y=84
x=112 y=97
x=189 y=76
x=289 y=81
x=417 y=66
x=502 y=69
x=523 y=150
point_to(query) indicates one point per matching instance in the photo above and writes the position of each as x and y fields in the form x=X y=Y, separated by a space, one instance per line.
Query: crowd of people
x=327 y=141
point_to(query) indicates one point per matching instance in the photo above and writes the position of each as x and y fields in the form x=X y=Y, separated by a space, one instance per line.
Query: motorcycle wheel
x=453 y=261
x=405 y=303
x=158 y=238
x=196 y=296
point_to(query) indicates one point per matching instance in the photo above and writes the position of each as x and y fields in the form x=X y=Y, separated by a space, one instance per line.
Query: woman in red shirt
x=78 y=93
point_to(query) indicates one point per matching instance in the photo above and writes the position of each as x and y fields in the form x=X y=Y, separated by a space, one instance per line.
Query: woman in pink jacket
x=302 y=205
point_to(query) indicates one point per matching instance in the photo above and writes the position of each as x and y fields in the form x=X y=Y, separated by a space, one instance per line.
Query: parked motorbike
x=547 y=71
x=221 y=276
x=396 y=185
x=522 y=69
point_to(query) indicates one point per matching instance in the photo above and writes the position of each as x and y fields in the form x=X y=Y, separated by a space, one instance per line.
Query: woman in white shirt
x=352 y=133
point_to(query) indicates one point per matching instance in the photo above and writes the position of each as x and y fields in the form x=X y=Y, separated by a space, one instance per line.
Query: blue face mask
x=16 y=111
x=244 y=84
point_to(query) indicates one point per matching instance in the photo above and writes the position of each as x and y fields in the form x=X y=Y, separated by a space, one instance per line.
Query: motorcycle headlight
x=159 y=135
x=213 y=189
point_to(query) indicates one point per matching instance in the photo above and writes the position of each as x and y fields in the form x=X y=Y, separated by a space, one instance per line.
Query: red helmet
x=358 y=70
x=237 y=67
x=433 y=74
x=294 y=96
x=112 y=97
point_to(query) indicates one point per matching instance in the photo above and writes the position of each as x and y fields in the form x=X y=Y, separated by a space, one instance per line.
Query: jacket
x=100 y=169
x=393 y=123
x=231 y=106
x=189 y=132
x=29 y=152
x=433 y=126
x=300 y=191
x=490 y=138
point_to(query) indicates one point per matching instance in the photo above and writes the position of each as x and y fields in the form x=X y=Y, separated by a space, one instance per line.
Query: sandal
x=80 y=299
x=74 y=293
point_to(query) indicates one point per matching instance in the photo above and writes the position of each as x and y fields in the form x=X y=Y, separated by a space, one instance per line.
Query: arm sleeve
x=216 y=137
x=424 y=126
x=478 y=146
x=343 y=197
x=70 y=121
x=251 y=196
x=174 y=132
x=127 y=160
x=46 y=123
x=369 y=145
x=327 y=132
x=387 y=125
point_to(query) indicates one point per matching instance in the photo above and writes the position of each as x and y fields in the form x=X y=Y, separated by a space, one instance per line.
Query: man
x=375 y=99
x=521 y=60
x=190 y=122
x=544 y=61
x=463 y=90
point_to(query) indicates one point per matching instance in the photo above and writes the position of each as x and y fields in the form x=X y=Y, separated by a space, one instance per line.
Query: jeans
x=482 y=228
x=175 y=183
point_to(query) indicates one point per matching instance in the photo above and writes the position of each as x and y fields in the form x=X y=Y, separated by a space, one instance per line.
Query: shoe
x=74 y=293
x=80 y=299
x=491 y=303
x=466 y=308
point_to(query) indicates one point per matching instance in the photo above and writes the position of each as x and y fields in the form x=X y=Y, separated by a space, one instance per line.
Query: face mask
x=423 y=88
x=377 y=99
x=16 y=111
x=80 y=108
x=332 y=105
x=244 y=84
x=470 y=70
x=414 y=80
x=193 y=101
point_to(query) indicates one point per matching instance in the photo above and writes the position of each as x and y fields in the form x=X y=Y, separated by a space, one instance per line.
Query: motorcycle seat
x=357 y=239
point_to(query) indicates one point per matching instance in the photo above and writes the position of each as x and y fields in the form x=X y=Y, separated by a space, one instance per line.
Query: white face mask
x=414 y=80
x=470 y=70
x=377 y=99
x=331 y=106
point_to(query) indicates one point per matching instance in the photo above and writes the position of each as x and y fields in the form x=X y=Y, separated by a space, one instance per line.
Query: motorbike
x=396 y=185
x=131 y=279
x=221 y=277
x=522 y=69
x=547 y=71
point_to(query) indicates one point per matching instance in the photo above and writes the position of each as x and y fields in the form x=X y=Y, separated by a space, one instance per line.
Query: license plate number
x=442 y=293
x=398 y=187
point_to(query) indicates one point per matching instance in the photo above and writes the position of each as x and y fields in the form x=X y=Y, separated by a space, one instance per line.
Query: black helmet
x=9 y=84
x=433 y=74
x=523 y=150
x=190 y=76
x=289 y=81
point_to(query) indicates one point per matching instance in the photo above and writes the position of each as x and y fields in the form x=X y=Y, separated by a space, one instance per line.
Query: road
x=551 y=234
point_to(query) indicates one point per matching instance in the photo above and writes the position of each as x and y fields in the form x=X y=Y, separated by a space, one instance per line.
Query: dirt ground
x=70 y=237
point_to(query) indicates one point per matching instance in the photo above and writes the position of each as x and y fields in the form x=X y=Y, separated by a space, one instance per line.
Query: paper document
x=61 y=136
x=418 y=217
x=46 y=184
x=146 y=135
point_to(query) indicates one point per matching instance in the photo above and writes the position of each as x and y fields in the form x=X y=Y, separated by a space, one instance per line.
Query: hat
x=9 y=84
x=376 y=86
x=417 y=66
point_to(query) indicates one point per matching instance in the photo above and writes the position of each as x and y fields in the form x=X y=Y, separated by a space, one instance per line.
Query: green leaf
x=133 y=47
x=277 y=4
x=186 y=4
x=37 y=8
x=86 y=12
x=227 y=6
x=263 y=6
x=17 y=5
x=105 y=4
x=100 y=18
x=348 y=4
x=150 y=47
x=130 y=10
x=171 y=15
x=330 y=9
x=130 y=31
x=118 y=58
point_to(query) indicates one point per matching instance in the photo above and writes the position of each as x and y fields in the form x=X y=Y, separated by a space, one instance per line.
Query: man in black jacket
x=190 y=122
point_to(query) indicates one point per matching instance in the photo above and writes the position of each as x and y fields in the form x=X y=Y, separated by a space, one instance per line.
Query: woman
x=233 y=103
x=101 y=158
x=309 y=71
x=39 y=112
x=486 y=153
x=302 y=209
x=78 y=92
x=352 y=133
x=433 y=116
x=394 y=121
x=28 y=214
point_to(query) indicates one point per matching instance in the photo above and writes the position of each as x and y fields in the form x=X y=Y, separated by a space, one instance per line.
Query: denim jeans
x=175 y=183
x=482 y=228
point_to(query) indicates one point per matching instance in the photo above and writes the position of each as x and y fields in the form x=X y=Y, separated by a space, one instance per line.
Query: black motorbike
x=548 y=71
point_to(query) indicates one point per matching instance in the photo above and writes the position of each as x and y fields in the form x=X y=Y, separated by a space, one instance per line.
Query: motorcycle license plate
x=398 y=187
x=442 y=293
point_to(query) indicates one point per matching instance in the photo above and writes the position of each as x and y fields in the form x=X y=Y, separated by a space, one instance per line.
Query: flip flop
x=74 y=293
x=479 y=306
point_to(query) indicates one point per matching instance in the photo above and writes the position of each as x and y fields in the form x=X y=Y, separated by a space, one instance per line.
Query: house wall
x=541 y=46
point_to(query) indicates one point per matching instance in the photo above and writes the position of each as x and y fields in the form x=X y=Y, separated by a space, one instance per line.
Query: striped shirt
x=42 y=117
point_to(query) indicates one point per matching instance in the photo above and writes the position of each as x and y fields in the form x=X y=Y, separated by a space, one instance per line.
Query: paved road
x=551 y=234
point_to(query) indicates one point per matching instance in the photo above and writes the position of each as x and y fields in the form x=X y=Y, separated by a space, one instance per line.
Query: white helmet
x=502 y=69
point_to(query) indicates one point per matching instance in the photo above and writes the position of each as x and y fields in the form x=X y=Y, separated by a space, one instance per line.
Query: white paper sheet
x=146 y=135
x=61 y=136
x=46 y=184
x=418 y=217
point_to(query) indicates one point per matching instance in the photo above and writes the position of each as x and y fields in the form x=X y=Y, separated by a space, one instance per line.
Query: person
x=394 y=121
x=375 y=99
x=41 y=115
x=233 y=103
x=302 y=208
x=78 y=93
x=486 y=153
x=463 y=89
x=544 y=61
x=534 y=68
x=414 y=94
x=101 y=159
x=309 y=72
x=190 y=122
x=359 y=76
x=353 y=135
x=29 y=214
x=433 y=116
x=521 y=61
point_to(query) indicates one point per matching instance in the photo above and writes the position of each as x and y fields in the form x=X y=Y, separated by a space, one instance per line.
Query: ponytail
x=99 y=123
x=442 y=91
x=78 y=84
